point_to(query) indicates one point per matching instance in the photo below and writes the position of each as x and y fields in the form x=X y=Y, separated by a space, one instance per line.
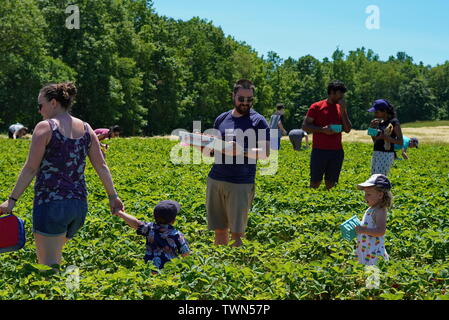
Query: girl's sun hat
x=376 y=180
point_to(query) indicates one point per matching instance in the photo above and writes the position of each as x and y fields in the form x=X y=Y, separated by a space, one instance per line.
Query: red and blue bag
x=12 y=233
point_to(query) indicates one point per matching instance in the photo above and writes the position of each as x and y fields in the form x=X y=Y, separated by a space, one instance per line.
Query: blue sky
x=299 y=27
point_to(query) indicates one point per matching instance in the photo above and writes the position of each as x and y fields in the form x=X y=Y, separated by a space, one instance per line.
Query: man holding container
x=326 y=119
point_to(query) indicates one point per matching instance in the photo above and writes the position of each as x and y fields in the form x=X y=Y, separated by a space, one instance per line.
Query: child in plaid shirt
x=163 y=241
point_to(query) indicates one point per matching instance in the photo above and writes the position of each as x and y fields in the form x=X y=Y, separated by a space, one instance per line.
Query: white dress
x=370 y=248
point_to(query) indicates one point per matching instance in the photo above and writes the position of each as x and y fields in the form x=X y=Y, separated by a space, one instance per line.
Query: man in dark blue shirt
x=231 y=181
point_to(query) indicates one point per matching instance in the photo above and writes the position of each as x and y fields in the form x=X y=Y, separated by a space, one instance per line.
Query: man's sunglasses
x=248 y=99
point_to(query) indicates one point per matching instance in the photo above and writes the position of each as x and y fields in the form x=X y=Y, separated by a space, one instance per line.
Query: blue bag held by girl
x=12 y=233
x=348 y=228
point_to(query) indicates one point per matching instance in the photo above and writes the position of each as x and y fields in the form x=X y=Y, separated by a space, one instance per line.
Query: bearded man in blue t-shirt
x=231 y=181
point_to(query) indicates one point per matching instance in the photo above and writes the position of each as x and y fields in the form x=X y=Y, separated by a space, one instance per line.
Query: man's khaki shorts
x=228 y=204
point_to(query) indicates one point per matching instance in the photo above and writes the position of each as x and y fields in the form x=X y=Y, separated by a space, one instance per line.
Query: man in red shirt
x=326 y=119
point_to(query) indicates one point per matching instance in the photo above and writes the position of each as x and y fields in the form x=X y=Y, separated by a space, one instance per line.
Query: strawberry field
x=293 y=248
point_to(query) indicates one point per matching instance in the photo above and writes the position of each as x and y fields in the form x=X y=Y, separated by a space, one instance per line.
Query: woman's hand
x=7 y=206
x=374 y=123
x=115 y=204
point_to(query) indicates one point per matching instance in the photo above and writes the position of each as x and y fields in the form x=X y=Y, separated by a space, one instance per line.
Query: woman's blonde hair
x=387 y=199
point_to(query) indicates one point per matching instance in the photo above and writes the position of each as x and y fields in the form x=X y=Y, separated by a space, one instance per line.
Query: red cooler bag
x=12 y=233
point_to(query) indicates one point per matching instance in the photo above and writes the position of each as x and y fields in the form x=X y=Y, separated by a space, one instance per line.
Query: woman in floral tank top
x=57 y=158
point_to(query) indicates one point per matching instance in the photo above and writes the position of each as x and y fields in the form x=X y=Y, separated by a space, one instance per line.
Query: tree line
x=151 y=74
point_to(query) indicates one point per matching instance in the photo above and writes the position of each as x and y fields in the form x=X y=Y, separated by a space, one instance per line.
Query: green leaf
x=40 y=283
x=41 y=267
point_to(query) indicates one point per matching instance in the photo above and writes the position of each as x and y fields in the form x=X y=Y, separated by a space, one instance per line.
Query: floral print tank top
x=61 y=173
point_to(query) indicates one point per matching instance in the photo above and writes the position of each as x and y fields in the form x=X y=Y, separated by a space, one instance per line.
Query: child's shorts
x=57 y=218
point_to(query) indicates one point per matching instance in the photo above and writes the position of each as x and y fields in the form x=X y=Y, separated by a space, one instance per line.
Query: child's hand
x=115 y=204
x=359 y=229
x=117 y=213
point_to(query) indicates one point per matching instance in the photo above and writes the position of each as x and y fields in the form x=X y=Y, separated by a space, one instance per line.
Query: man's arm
x=280 y=125
x=347 y=126
x=207 y=152
x=309 y=127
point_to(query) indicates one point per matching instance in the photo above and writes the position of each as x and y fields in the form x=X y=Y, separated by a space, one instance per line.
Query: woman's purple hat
x=380 y=105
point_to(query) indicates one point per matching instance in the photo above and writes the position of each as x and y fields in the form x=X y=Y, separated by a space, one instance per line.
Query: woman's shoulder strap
x=52 y=124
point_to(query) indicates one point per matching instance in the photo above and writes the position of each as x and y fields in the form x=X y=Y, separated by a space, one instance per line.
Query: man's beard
x=243 y=109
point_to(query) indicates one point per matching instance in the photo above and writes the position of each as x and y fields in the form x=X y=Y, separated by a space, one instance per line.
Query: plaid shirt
x=164 y=243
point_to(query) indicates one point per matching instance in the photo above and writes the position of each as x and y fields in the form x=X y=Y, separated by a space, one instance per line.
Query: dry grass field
x=426 y=135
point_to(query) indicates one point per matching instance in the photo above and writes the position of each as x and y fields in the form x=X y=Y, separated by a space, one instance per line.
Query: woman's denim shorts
x=57 y=218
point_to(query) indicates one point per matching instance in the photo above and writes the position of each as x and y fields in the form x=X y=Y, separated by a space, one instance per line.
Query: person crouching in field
x=408 y=143
x=390 y=133
x=17 y=131
x=370 y=235
x=296 y=136
x=102 y=134
x=163 y=241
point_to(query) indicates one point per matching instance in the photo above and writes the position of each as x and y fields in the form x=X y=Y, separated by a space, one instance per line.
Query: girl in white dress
x=370 y=235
